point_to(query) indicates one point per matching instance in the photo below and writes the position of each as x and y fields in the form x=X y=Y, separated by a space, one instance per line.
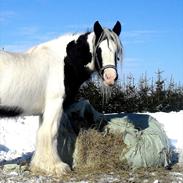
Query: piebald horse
x=44 y=80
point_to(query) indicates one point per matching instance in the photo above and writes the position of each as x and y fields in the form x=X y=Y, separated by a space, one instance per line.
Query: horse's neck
x=58 y=46
x=90 y=41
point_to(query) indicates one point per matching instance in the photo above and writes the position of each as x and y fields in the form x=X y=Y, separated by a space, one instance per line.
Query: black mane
x=75 y=72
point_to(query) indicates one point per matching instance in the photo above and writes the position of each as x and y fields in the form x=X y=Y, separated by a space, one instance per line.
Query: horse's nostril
x=107 y=76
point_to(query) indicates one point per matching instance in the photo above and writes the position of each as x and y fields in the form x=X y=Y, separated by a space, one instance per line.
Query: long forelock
x=110 y=35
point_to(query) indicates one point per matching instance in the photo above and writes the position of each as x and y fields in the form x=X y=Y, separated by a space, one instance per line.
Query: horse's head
x=107 y=50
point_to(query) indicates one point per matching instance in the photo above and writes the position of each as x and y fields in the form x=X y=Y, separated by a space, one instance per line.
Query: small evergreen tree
x=159 y=91
x=143 y=94
x=131 y=97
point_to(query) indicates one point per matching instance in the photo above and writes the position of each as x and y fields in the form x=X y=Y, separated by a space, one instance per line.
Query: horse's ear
x=117 y=28
x=97 y=29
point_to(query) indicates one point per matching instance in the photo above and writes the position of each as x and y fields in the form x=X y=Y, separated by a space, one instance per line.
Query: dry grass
x=98 y=152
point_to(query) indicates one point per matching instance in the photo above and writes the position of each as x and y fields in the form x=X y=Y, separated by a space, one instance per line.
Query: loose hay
x=99 y=152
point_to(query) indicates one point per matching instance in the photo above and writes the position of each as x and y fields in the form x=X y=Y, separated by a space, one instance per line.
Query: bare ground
x=161 y=175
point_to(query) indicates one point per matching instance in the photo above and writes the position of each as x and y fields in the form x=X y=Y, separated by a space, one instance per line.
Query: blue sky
x=152 y=33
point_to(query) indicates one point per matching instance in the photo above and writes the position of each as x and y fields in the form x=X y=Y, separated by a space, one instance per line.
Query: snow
x=18 y=135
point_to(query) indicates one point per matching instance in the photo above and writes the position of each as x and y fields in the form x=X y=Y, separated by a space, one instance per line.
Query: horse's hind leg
x=46 y=158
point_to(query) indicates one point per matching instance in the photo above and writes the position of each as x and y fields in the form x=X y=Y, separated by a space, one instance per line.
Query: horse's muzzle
x=109 y=76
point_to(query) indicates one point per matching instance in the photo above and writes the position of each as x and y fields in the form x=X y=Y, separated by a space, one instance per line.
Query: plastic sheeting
x=147 y=143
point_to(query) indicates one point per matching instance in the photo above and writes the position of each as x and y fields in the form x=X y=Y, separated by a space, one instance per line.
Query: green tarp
x=147 y=143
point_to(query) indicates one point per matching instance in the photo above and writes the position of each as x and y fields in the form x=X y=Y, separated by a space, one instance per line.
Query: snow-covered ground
x=18 y=135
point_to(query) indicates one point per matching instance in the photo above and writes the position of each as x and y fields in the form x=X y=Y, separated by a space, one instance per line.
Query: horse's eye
x=117 y=57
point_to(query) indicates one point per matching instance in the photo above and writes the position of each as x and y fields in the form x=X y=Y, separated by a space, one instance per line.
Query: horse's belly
x=26 y=93
x=28 y=103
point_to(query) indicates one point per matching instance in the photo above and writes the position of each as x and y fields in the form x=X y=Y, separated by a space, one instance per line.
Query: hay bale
x=96 y=151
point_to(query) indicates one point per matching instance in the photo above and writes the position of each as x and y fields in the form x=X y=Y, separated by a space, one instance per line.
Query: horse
x=45 y=79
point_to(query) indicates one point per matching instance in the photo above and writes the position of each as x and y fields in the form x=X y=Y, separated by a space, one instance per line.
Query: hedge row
x=146 y=95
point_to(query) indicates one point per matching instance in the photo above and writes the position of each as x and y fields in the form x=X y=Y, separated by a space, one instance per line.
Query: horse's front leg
x=46 y=158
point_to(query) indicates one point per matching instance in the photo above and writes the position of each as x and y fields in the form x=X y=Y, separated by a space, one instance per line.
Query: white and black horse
x=45 y=79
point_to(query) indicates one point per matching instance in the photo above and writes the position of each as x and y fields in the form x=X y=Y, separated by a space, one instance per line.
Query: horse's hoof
x=54 y=169
x=62 y=169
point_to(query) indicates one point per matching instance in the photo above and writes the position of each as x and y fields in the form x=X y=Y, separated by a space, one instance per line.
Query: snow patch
x=17 y=136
